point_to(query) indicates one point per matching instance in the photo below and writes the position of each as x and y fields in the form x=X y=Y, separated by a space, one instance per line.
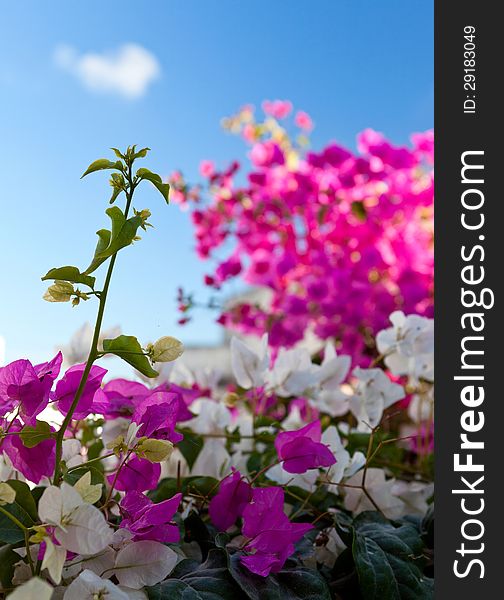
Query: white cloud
x=128 y=70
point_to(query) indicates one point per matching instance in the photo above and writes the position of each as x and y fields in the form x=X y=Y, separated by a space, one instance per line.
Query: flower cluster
x=336 y=239
x=151 y=473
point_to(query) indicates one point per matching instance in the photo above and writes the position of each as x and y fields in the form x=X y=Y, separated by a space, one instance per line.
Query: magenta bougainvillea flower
x=157 y=414
x=27 y=387
x=68 y=384
x=149 y=521
x=228 y=504
x=138 y=474
x=33 y=463
x=337 y=238
x=272 y=535
x=119 y=398
x=302 y=450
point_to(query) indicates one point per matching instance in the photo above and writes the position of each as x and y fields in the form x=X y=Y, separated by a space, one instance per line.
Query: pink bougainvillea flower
x=303 y=120
x=302 y=450
x=266 y=154
x=33 y=463
x=67 y=387
x=277 y=108
x=149 y=521
x=228 y=504
x=272 y=535
x=27 y=387
x=157 y=415
x=207 y=168
x=138 y=474
x=119 y=398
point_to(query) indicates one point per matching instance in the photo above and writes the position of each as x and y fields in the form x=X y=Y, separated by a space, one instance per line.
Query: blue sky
x=350 y=64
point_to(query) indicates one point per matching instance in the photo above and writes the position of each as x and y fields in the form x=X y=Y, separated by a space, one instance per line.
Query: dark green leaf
x=128 y=348
x=8 y=558
x=190 y=446
x=23 y=509
x=210 y=581
x=388 y=556
x=154 y=178
x=97 y=475
x=71 y=274
x=24 y=497
x=32 y=436
x=100 y=164
x=290 y=584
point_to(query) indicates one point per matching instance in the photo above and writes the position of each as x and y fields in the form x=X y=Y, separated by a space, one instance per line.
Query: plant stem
x=93 y=353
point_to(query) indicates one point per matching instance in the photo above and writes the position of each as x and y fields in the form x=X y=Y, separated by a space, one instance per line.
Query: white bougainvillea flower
x=414 y=494
x=35 y=589
x=345 y=466
x=72 y=453
x=79 y=526
x=327 y=553
x=292 y=373
x=328 y=397
x=379 y=488
x=421 y=407
x=374 y=393
x=144 y=563
x=408 y=346
x=54 y=559
x=250 y=368
x=305 y=481
x=212 y=418
x=89 y=586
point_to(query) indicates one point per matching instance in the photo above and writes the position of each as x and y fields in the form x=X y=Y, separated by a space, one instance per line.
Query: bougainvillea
x=339 y=239
x=304 y=478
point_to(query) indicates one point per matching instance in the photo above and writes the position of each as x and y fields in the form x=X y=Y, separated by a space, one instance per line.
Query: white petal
x=87 y=533
x=54 y=559
x=35 y=589
x=88 y=585
x=144 y=563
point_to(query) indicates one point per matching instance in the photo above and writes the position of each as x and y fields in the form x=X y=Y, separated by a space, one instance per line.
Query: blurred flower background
x=78 y=78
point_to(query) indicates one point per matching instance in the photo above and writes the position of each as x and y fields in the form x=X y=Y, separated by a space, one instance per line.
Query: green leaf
x=103 y=242
x=388 y=559
x=359 y=210
x=24 y=497
x=141 y=153
x=289 y=584
x=122 y=234
x=32 y=436
x=190 y=446
x=23 y=509
x=168 y=487
x=71 y=274
x=97 y=475
x=100 y=164
x=123 y=231
x=8 y=558
x=128 y=348
x=210 y=581
x=154 y=178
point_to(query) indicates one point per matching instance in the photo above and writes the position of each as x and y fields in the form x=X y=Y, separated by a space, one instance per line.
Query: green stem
x=93 y=353
x=90 y=462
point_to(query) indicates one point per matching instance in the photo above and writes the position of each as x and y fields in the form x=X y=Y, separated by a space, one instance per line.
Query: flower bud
x=60 y=291
x=7 y=494
x=154 y=450
x=166 y=349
